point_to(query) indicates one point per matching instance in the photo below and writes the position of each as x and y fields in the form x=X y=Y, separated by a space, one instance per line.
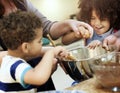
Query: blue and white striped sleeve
x=18 y=71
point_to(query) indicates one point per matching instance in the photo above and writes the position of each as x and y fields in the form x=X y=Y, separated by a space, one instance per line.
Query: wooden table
x=90 y=86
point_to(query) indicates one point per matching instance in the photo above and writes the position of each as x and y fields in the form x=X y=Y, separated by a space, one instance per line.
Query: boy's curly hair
x=19 y=27
x=109 y=9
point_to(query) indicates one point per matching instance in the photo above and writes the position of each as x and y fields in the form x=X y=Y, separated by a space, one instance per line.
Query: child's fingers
x=60 y=51
x=64 y=53
x=94 y=44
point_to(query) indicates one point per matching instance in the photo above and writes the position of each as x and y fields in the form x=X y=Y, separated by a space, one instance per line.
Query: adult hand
x=76 y=25
x=110 y=40
x=61 y=28
x=117 y=44
x=85 y=33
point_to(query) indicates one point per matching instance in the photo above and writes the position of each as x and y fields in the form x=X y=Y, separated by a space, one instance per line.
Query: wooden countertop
x=90 y=86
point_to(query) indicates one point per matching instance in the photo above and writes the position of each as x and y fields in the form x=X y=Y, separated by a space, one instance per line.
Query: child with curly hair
x=102 y=15
x=22 y=34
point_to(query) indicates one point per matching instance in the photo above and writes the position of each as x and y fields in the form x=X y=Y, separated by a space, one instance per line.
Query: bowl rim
x=104 y=66
x=113 y=52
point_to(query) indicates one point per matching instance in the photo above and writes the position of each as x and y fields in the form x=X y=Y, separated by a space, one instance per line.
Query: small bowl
x=106 y=70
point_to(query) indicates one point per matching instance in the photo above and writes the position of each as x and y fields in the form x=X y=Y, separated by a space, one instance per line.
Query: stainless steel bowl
x=79 y=69
x=75 y=70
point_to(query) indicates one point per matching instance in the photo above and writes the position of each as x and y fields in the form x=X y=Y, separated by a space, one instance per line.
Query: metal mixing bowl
x=79 y=69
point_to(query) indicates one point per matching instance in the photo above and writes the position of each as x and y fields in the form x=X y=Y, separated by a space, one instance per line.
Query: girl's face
x=100 y=26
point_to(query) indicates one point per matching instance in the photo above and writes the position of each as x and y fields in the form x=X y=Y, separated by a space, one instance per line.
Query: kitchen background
x=58 y=10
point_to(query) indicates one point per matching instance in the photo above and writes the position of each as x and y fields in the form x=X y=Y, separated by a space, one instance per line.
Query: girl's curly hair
x=109 y=9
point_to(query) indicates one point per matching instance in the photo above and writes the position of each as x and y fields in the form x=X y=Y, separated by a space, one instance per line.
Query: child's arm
x=73 y=36
x=41 y=73
x=70 y=38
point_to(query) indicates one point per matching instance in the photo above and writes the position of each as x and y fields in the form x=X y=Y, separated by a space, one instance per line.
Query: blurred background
x=58 y=10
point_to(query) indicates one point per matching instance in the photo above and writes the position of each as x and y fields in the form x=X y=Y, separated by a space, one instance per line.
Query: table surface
x=90 y=86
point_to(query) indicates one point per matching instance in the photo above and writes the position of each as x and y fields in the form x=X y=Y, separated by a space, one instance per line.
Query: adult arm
x=56 y=29
x=45 y=22
x=61 y=28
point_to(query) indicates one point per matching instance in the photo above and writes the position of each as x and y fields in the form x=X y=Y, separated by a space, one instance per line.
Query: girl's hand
x=94 y=44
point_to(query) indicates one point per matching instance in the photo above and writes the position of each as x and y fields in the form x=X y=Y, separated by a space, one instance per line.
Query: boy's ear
x=25 y=47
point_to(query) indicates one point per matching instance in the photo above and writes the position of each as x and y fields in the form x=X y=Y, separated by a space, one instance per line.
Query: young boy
x=22 y=34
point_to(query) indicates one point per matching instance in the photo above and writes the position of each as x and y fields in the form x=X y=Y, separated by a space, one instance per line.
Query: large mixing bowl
x=76 y=70
x=79 y=69
x=106 y=69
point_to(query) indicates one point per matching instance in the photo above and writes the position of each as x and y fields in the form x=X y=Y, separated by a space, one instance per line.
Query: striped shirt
x=12 y=73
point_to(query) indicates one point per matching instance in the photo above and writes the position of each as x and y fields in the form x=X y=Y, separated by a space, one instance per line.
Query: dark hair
x=19 y=27
x=2 y=10
x=109 y=9
x=18 y=3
